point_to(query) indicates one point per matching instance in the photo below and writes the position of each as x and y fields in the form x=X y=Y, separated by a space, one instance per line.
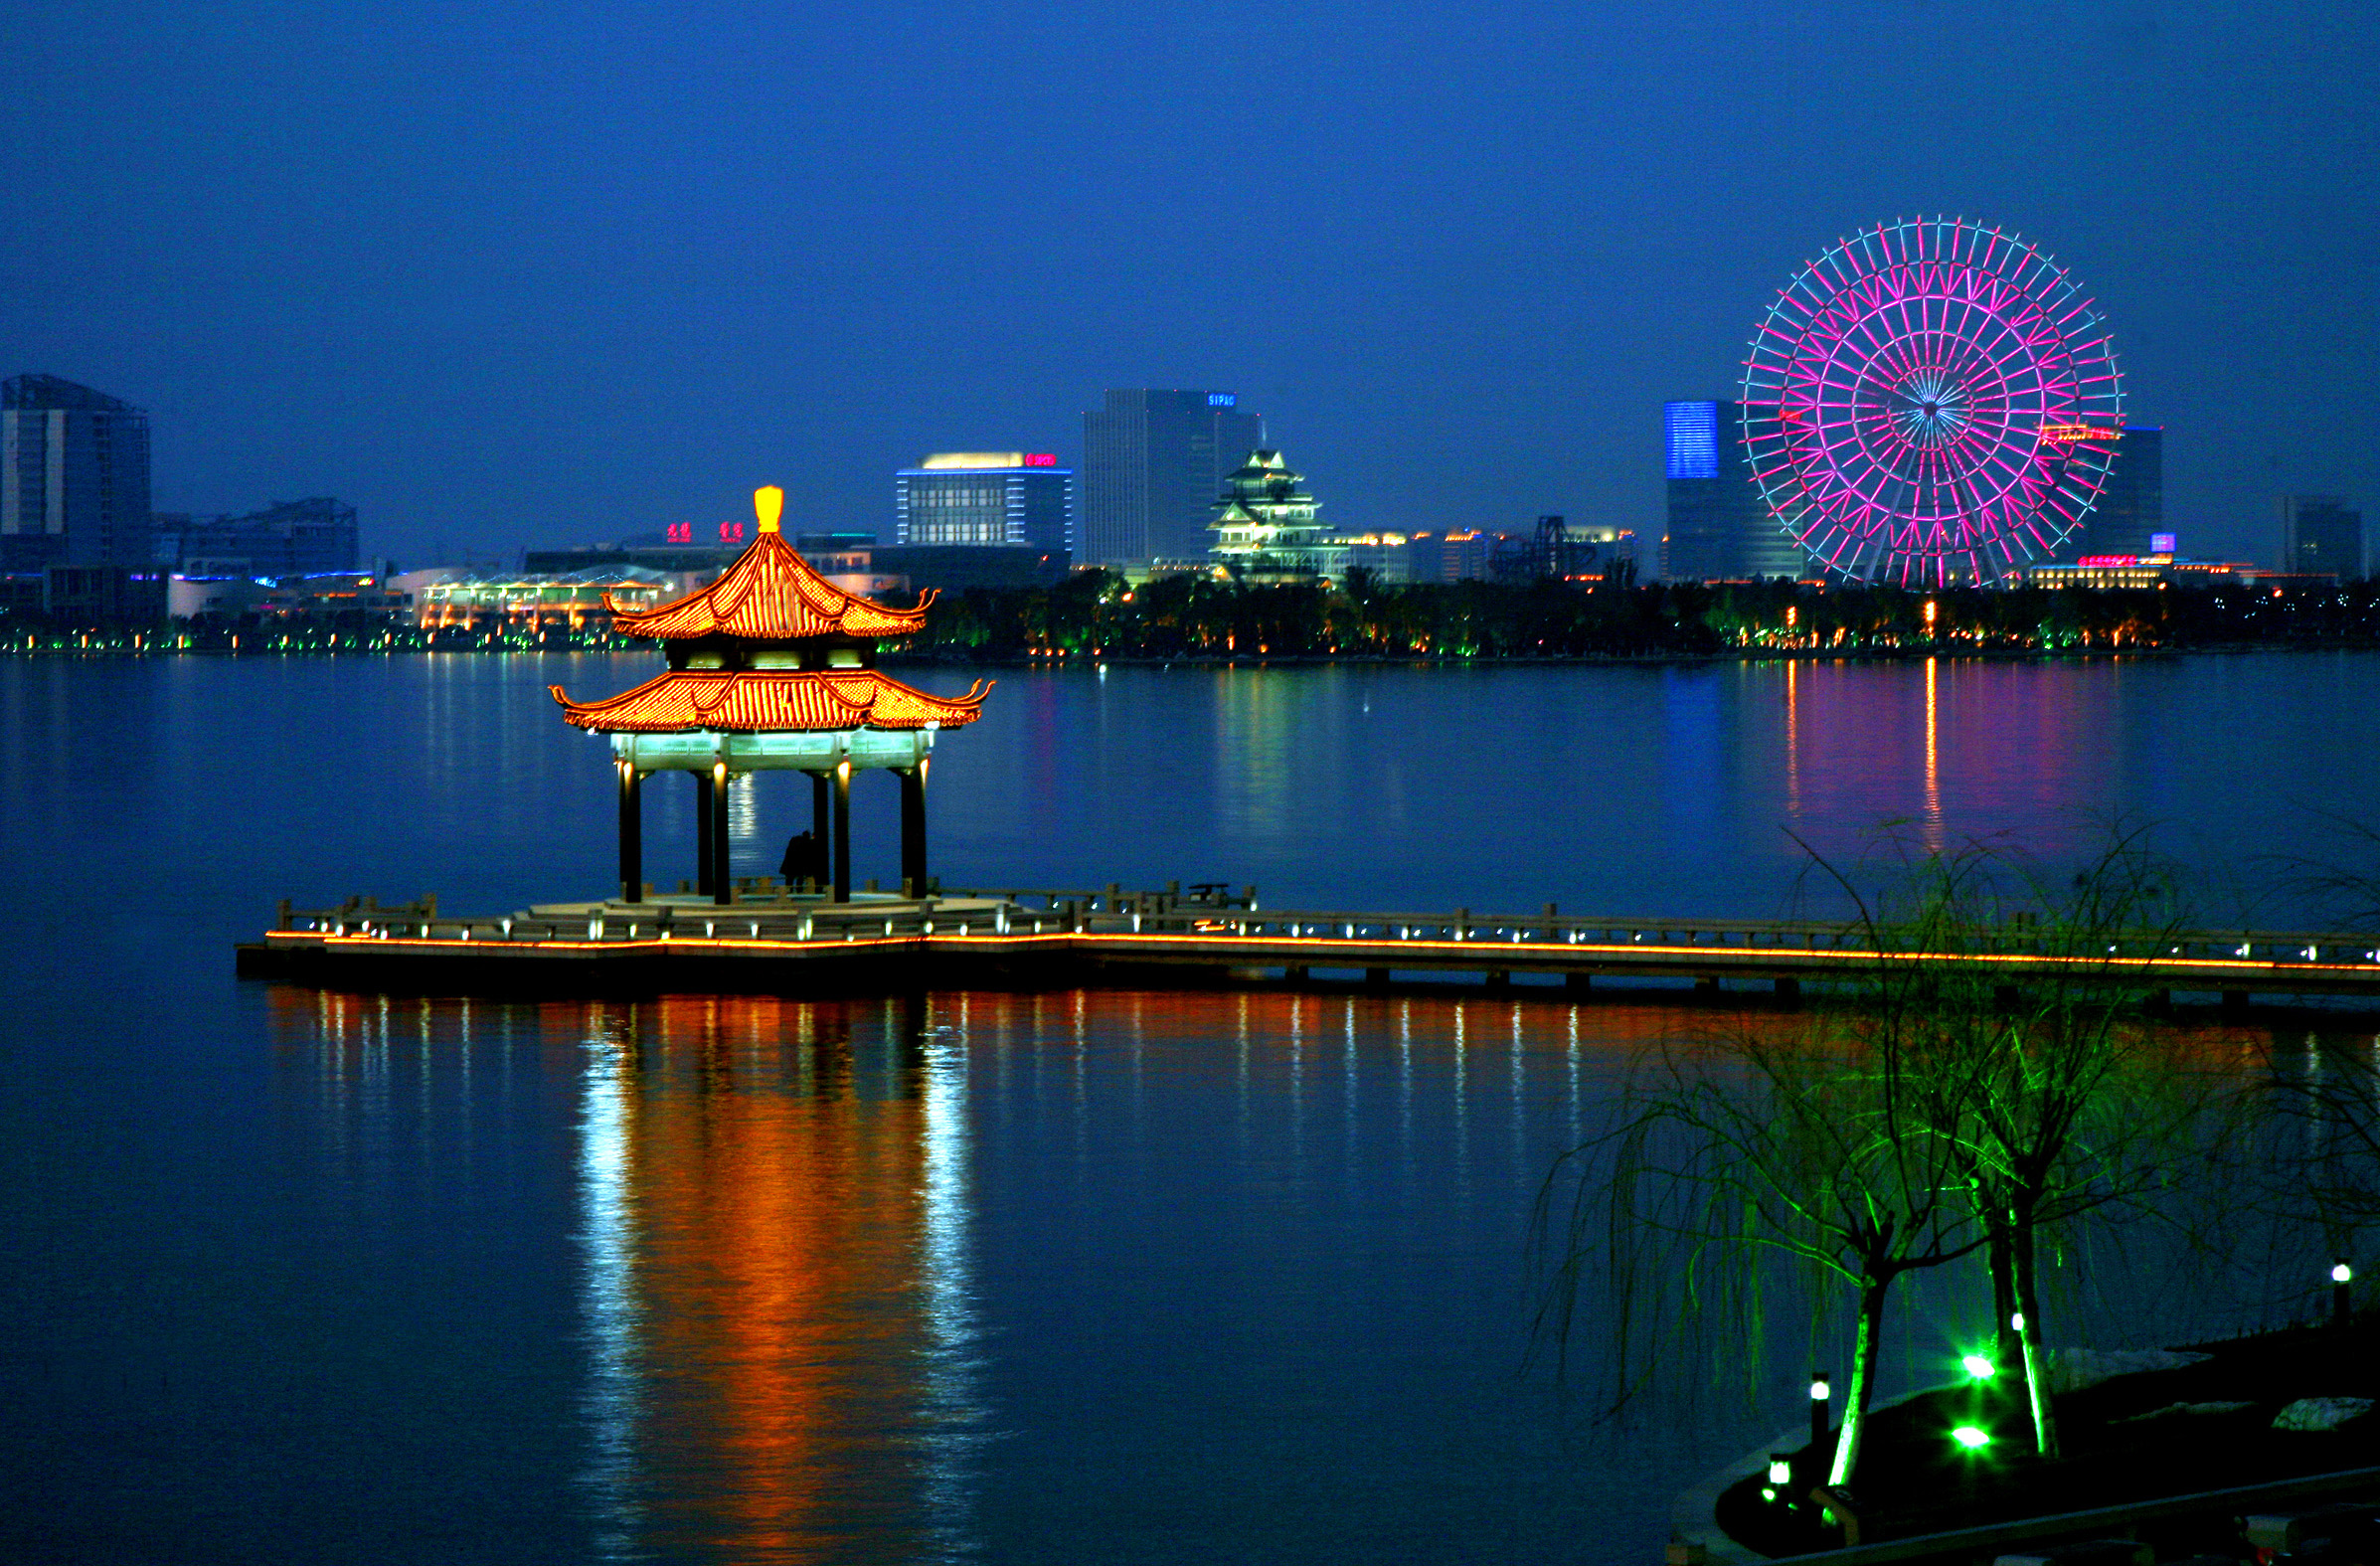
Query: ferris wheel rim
x=1912 y=399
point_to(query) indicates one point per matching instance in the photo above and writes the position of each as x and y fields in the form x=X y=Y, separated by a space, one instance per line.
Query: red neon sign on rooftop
x=1041 y=460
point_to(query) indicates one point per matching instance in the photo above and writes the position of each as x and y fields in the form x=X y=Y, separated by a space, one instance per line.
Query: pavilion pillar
x=842 y=790
x=702 y=833
x=821 y=822
x=631 y=835
x=723 y=890
x=912 y=829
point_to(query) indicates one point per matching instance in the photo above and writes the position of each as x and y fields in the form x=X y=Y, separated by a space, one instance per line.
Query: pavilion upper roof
x=772 y=701
x=771 y=593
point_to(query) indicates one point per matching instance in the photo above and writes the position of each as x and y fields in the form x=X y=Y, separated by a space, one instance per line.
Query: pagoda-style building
x=772 y=668
x=1266 y=530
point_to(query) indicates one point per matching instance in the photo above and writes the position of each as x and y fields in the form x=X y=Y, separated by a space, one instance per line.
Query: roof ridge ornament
x=769 y=508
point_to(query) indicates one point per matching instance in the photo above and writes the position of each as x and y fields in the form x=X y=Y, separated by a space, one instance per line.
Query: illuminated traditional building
x=772 y=668
x=1265 y=529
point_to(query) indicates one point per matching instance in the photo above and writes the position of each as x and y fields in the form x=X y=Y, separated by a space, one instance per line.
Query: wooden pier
x=766 y=940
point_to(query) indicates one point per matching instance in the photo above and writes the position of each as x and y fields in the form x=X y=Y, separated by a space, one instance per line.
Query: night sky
x=506 y=275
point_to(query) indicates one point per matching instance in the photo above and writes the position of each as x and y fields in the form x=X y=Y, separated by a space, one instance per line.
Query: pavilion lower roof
x=770 y=593
x=772 y=701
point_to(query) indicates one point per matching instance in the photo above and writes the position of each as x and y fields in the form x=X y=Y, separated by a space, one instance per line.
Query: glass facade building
x=290 y=538
x=73 y=477
x=2130 y=510
x=997 y=499
x=1153 y=463
x=1717 y=526
x=2319 y=534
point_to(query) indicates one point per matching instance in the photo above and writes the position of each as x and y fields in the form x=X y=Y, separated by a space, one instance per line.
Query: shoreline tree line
x=1098 y=615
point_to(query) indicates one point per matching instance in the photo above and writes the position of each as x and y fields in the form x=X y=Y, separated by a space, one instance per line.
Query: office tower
x=2319 y=534
x=74 y=477
x=996 y=499
x=1153 y=463
x=2130 y=510
x=289 y=538
x=1718 y=527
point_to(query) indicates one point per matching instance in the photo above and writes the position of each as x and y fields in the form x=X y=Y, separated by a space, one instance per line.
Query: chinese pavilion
x=1266 y=530
x=772 y=668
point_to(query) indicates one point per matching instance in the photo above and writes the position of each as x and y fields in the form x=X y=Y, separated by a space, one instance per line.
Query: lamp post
x=1819 y=1392
x=2342 y=1277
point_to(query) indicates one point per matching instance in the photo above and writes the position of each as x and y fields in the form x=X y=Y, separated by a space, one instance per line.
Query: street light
x=1977 y=1367
x=2342 y=1308
x=1819 y=1392
x=1971 y=1437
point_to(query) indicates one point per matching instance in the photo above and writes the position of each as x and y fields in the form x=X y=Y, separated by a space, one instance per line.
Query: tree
x=2054 y=1092
x=1799 y=1140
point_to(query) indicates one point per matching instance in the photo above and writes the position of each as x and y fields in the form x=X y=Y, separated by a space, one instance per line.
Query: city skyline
x=1517 y=238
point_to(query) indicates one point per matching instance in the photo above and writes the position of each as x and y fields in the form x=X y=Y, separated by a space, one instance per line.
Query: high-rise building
x=2319 y=534
x=1266 y=530
x=2131 y=511
x=998 y=499
x=289 y=538
x=74 y=477
x=1153 y=463
x=1718 y=527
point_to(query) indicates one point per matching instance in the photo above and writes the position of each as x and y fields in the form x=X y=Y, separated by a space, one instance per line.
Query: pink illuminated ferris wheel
x=1931 y=402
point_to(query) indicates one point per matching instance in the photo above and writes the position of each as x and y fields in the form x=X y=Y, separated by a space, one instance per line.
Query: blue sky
x=506 y=274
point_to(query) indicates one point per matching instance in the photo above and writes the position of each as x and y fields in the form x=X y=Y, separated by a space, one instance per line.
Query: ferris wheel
x=1931 y=402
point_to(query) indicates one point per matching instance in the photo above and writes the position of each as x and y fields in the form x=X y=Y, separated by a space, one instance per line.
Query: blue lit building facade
x=995 y=499
x=1717 y=528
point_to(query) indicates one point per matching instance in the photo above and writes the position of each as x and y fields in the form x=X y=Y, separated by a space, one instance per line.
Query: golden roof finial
x=769 y=504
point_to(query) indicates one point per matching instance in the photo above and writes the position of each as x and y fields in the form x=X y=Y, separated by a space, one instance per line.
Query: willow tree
x=2018 y=1003
x=1799 y=1140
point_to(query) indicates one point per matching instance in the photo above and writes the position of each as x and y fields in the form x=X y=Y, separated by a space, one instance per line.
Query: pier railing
x=1228 y=916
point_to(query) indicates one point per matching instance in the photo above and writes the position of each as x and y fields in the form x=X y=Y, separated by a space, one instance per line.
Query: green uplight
x=1971 y=1437
x=1977 y=1367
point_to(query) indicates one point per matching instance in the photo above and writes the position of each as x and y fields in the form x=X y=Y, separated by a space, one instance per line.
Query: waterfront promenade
x=772 y=940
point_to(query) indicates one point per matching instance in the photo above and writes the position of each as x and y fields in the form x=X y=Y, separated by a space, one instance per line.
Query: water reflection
x=967 y=1277
x=776 y=1302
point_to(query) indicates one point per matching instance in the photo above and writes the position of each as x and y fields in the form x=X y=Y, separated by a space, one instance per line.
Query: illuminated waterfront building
x=1717 y=527
x=73 y=477
x=1266 y=530
x=526 y=602
x=772 y=668
x=1153 y=463
x=2320 y=536
x=1011 y=499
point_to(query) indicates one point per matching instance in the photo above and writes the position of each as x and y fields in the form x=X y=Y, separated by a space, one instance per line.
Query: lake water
x=1113 y=1277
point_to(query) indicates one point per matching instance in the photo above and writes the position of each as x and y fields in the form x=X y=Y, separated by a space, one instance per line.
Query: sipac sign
x=1041 y=460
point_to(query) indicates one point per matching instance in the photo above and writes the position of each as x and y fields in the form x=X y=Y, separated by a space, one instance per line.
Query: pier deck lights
x=1969 y=1436
x=1977 y=1367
